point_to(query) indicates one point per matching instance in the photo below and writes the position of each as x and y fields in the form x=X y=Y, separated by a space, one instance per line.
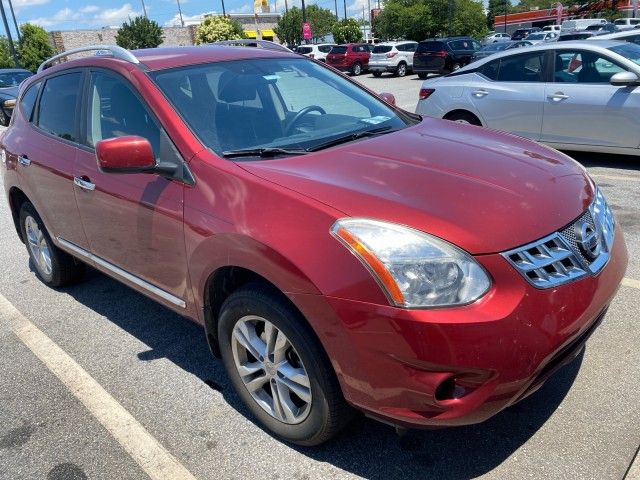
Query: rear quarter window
x=339 y=50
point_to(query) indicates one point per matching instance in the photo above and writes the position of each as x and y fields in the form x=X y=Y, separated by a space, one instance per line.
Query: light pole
x=506 y=10
x=144 y=9
x=345 y=9
x=14 y=21
x=223 y=12
x=180 y=13
x=450 y=15
x=6 y=28
x=304 y=18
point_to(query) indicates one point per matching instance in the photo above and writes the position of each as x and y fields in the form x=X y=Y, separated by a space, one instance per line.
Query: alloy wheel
x=402 y=70
x=38 y=245
x=271 y=369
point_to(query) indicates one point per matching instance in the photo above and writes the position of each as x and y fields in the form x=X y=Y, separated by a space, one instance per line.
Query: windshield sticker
x=375 y=120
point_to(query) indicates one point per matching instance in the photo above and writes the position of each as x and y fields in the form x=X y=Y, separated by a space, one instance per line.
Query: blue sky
x=85 y=14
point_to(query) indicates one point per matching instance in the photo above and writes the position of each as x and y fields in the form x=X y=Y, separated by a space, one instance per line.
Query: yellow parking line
x=631 y=282
x=143 y=448
x=605 y=176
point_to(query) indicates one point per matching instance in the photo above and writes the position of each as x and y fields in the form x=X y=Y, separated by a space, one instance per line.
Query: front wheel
x=278 y=367
x=54 y=267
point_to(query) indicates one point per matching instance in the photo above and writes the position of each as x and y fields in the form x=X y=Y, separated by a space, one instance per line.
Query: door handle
x=24 y=160
x=84 y=184
x=479 y=93
x=556 y=97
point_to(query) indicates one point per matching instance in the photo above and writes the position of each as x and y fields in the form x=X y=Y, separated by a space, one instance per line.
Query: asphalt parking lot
x=172 y=401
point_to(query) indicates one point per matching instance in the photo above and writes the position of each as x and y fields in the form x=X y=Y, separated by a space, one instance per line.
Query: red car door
x=45 y=142
x=134 y=222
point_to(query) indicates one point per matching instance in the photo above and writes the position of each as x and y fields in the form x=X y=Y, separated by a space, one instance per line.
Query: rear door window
x=28 y=101
x=521 y=68
x=58 y=106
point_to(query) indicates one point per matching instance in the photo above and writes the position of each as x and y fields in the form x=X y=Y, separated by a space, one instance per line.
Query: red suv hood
x=481 y=190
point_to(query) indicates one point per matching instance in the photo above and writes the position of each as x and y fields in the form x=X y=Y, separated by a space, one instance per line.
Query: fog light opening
x=450 y=390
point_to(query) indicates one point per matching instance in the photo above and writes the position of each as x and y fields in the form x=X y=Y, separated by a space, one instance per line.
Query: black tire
x=401 y=70
x=356 y=69
x=456 y=66
x=65 y=269
x=4 y=118
x=464 y=117
x=328 y=412
x=377 y=74
x=422 y=76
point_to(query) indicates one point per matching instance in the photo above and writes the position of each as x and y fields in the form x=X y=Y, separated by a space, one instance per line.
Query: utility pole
x=286 y=7
x=345 y=9
x=6 y=28
x=180 y=13
x=370 y=21
x=336 y=2
x=14 y=21
x=223 y=12
x=144 y=9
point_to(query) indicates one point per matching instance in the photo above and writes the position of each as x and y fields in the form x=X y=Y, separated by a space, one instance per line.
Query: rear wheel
x=4 y=118
x=422 y=76
x=54 y=267
x=278 y=367
x=401 y=71
x=356 y=69
x=455 y=66
x=377 y=74
x=464 y=117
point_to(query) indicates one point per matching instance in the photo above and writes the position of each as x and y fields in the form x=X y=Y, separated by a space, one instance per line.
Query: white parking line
x=143 y=448
x=605 y=176
x=631 y=282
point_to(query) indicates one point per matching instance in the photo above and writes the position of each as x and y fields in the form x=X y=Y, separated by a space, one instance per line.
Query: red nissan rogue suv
x=339 y=252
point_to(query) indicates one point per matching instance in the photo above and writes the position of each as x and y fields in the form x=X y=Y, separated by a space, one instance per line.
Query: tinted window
x=305 y=50
x=115 y=111
x=490 y=69
x=630 y=51
x=325 y=48
x=382 y=48
x=57 y=110
x=13 y=79
x=339 y=50
x=28 y=100
x=431 y=47
x=521 y=68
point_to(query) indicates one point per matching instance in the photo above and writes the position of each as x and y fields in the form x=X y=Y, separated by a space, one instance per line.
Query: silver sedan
x=572 y=95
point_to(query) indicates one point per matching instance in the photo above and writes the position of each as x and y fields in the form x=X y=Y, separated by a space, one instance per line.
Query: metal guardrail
x=101 y=50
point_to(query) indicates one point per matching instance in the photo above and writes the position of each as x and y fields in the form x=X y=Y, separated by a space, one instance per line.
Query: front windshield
x=13 y=79
x=288 y=103
x=630 y=51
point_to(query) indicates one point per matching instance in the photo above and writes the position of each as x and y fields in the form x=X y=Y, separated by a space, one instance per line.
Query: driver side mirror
x=128 y=154
x=624 y=79
x=389 y=98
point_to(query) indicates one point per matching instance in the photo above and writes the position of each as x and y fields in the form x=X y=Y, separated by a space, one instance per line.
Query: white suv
x=495 y=37
x=319 y=51
x=394 y=57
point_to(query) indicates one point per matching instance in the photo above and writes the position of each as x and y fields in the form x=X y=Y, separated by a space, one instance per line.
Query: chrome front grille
x=579 y=249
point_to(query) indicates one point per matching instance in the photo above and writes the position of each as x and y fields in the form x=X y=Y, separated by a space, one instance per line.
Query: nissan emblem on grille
x=588 y=239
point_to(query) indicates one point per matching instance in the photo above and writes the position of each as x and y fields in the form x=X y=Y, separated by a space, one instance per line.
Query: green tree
x=289 y=27
x=347 y=31
x=321 y=21
x=34 y=47
x=139 y=33
x=420 y=19
x=6 y=60
x=217 y=28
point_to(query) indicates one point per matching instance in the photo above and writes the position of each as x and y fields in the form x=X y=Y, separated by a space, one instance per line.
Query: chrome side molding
x=81 y=252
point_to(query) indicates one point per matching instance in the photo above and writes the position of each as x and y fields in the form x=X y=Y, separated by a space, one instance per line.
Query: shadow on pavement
x=366 y=448
x=590 y=159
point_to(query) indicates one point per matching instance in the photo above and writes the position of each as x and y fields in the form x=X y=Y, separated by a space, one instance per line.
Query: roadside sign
x=306 y=31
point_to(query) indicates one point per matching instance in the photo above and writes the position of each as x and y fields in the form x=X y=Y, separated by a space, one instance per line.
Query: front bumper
x=459 y=366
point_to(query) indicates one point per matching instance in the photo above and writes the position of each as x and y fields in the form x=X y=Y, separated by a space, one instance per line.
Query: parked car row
x=554 y=93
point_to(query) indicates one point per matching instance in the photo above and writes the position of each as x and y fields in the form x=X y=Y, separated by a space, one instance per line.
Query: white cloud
x=90 y=16
x=246 y=8
x=116 y=15
x=188 y=19
x=89 y=9
x=17 y=4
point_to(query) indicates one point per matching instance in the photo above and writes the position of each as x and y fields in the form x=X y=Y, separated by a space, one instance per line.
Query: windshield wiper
x=353 y=136
x=262 y=152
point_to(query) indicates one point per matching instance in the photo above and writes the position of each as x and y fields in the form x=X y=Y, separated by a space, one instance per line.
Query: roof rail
x=102 y=50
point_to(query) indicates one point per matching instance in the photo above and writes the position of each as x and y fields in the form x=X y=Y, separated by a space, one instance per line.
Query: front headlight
x=414 y=269
x=9 y=103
